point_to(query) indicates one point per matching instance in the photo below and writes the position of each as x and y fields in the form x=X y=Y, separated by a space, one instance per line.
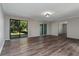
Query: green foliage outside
x=18 y=27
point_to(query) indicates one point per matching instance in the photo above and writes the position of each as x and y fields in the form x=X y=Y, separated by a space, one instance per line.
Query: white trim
x=2 y=46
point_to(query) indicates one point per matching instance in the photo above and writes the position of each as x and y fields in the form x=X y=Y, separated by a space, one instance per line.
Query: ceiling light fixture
x=47 y=13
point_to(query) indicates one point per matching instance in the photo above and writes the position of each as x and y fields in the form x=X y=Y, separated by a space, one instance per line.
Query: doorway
x=18 y=28
x=65 y=28
x=62 y=31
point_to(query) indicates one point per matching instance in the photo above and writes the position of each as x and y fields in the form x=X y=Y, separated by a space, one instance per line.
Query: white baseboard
x=2 y=46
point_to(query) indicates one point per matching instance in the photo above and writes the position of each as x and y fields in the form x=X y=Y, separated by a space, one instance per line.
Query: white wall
x=60 y=28
x=54 y=28
x=49 y=28
x=73 y=28
x=7 y=27
x=33 y=28
x=2 y=40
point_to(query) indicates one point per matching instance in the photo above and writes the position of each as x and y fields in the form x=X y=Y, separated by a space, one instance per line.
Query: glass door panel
x=23 y=28
x=14 y=30
x=45 y=29
x=18 y=28
x=41 y=29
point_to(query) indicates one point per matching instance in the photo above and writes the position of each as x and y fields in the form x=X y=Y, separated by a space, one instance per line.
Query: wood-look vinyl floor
x=46 y=46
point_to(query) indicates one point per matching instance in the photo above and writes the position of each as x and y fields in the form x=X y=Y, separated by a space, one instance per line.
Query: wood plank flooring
x=46 y=46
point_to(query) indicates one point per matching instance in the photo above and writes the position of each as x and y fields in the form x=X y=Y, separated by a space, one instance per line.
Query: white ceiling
x=34 y=10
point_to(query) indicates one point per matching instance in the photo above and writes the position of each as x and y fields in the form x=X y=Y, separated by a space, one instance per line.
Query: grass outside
x=17 y=33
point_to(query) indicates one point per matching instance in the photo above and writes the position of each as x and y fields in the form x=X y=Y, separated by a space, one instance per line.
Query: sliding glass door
x=18 y=28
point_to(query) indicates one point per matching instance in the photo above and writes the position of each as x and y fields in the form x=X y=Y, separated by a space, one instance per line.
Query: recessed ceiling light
x=47 y=13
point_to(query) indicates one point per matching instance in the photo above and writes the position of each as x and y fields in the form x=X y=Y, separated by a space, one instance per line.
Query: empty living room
x=39 y=29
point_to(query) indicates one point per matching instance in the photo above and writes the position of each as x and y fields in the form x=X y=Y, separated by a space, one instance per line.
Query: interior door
x=65 y=28
x=43 y=29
